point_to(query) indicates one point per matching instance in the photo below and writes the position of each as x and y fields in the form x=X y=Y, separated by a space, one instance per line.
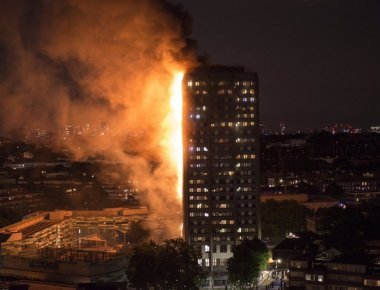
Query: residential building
x=221 y=163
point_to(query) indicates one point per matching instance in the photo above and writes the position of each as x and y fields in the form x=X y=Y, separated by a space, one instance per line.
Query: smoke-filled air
x=115 y=64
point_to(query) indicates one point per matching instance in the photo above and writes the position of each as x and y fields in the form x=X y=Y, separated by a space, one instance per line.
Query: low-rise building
x=68 y=247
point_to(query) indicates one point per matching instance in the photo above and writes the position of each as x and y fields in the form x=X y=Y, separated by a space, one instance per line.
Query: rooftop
x=29 y=231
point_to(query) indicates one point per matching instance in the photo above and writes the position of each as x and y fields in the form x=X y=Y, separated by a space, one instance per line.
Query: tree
x=281 y=217
x=178 y=266
x=141 y=271
x=172 y=265
x=249 y=258
x=342 y=225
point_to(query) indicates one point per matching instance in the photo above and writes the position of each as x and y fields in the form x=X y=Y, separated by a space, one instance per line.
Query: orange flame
x=175 y=128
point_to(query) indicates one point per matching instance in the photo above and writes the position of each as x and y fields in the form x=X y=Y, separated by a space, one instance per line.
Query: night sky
x=318 y=60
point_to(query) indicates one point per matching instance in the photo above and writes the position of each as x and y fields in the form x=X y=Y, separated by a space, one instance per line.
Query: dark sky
x=318 y=60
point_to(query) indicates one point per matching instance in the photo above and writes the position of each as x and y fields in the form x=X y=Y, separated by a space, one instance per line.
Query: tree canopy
x=250 y=257
x=353 y=224
x=281 y=217
x=172 y=265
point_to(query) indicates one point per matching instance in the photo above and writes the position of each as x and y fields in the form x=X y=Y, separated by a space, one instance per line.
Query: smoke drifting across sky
x=98 y=62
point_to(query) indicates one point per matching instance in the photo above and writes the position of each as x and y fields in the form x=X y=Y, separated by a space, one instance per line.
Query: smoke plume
x=105 y=63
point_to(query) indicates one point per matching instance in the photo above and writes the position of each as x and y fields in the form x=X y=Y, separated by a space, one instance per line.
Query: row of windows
x=245 y=140
x=200 y=231
x=224 y=238
x=198 y=165
x=195 y=116
x=201 y=205
x=221 y=222
x=311 y=277
x=198 y=197
x=244 y=108
x=198 y=238
x=237 y=140
x=218 y=248
x=231 y=189
x=198 y=108
x=243 y=221
x=197 y=181
x=229 y=91
x=198 y=205
x=246 y=230
x=226 y=132
x=232 y=124
x=199 y=214
x=222 y=214
x=198 y=157
x=245 y=156
x=245 y=116
x=198 y=149
x=198 y=92
x=234 y=181
x=228 y=164
x=226 y=173
x=215 y=263
x=192 y=83
x=198 y=173
x=198 y=189
x=371 y=282
x=222 y=230
x=220 y=197
x=198 y=222
x=246 y=213
x=245 y=99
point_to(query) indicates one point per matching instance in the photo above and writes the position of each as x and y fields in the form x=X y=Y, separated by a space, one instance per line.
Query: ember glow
x=175 y=135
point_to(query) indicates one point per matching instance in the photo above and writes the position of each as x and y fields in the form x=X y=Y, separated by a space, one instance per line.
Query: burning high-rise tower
x=221 y=166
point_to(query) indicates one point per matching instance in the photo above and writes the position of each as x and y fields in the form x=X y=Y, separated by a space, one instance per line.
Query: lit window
x=189 y=83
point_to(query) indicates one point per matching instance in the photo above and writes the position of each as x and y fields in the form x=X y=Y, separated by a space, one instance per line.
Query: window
x=371 y=282
x=223 y=248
